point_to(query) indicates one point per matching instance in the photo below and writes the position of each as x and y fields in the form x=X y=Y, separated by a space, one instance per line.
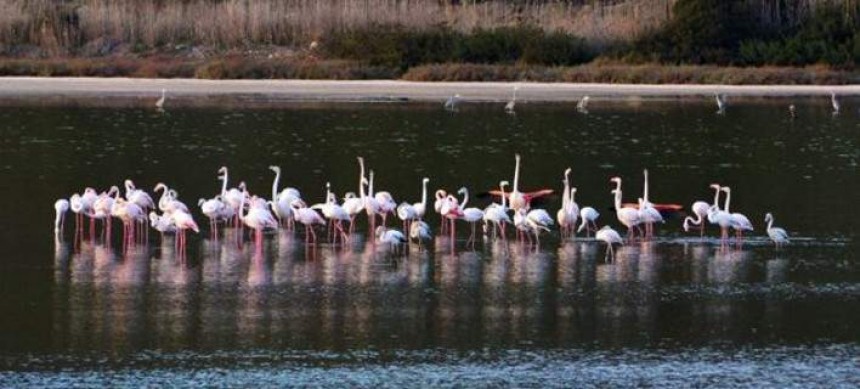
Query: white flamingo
x=628 y=216
x=420 y=231
x=308 y=217
x=281 y=201
x=834 y=101
x=214 y=210
x=700 y=209
x=721 y=103
x=589 y=217
x=61 y=206
x=470 y=215
x=183 y=221
x=582 y=105
x=389 y=236
x=497 y=214
x=610 y=237
x=739 y=221
x=421 y=208
x=160 y=102
x=451 y=102
x=778 y=235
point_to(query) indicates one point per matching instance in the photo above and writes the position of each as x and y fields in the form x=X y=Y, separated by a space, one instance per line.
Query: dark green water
x=675 y=311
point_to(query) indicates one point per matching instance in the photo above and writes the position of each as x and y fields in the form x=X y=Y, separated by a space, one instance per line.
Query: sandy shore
x=343 y=91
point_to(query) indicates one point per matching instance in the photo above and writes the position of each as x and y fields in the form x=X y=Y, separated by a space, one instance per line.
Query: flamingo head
x=276 y=169
x=517 y=157
x=425 y=180
x=462 y=190
x=349 y=195
x=243 y=186
x=726 y=189
x=222 y=170
x=687 y=224
x=201 y=201
x=440 y=194
x=364 y=181
x=715 y=186
x=616 y=180
x=113 y=190
x=768 y=218
x=159 y=186
x=503 y=184
x=129 y=184
x=566 y=173
x=573 y=190
x=360 y=160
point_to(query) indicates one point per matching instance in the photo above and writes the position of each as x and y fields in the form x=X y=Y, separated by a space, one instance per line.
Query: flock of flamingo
x=236 y=207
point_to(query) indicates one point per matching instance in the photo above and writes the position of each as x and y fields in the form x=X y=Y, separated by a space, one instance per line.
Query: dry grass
x=632 y=74
x=65 y=26
x=171 y=67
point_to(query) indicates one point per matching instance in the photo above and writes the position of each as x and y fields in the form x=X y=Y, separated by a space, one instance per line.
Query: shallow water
x=679 y=310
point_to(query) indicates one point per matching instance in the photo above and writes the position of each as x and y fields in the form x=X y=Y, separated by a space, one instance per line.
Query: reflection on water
x=504 y=295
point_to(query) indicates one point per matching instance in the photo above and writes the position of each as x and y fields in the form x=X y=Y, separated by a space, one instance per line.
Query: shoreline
x=383 y=91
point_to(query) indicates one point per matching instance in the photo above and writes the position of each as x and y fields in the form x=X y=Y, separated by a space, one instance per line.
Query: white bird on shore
x=835 y=103
x=451 y=103
x=160 y=102
x=509 y=107
x=589 y=217
x=721 y=103
x=778 y=235
x=582 y=105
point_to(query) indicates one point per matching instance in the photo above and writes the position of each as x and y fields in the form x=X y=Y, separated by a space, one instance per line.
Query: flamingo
x=371 y=206
x=406 y=212
x=102 y=209
x=257 y=218
x=452 y=211
x=391 y=237
x=700 y=209
x=778 y=235
x=168 y=202
x=451 y=103
x=214 y=210
x=470 y=215
x=162 y=224
x=281 y=201
x=721 y=103
x=138 y=196
x=537 y=220
x=610 y=237
x=718 y=216
x=519 y=200
x=647 y=213
x=628 y=216
x=569 y=211
x=582 y=105
x=160 y=102
x=421 y=208
x=739 y=221
x=129 y=214
x=589 y=217
x=183 y=221
x=87 y=200
x=509 y=107
x=61 y=206
x=308 y=217
x=353 y=206
x=385 y=200
x=232 y=197
x=420 y=232
x=335 y=214
x=441 y=197
x=497 y=213
x=834 y=101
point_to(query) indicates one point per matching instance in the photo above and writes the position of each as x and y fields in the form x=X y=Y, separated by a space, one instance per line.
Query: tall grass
x=72 y=25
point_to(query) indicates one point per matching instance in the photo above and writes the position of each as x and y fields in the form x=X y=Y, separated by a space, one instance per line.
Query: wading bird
x=778 y=235
x=610 y=237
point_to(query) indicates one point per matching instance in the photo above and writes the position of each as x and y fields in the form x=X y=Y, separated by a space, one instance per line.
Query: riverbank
x=273 y=91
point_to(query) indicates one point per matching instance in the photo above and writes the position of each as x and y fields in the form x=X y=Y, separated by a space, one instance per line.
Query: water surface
x=674 y=311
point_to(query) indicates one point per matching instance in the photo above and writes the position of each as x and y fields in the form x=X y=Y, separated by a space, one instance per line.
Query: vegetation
x=702 y=41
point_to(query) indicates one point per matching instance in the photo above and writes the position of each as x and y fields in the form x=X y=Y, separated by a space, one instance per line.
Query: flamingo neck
x=645 y=191
x=224 y=184
x=728 y=199
x=617 y=200
x=424 y=193
x=517 y=176
x=769 y=223
x=572 y=196
x=565 y=195
x=59 y=218
x=275 y=185
x=361 y=178
x=465 y=198
x=370 y=185
x=504 y=203
x=717 y=199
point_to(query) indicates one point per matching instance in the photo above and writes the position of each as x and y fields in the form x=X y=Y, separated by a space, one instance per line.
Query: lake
x=677 y=310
